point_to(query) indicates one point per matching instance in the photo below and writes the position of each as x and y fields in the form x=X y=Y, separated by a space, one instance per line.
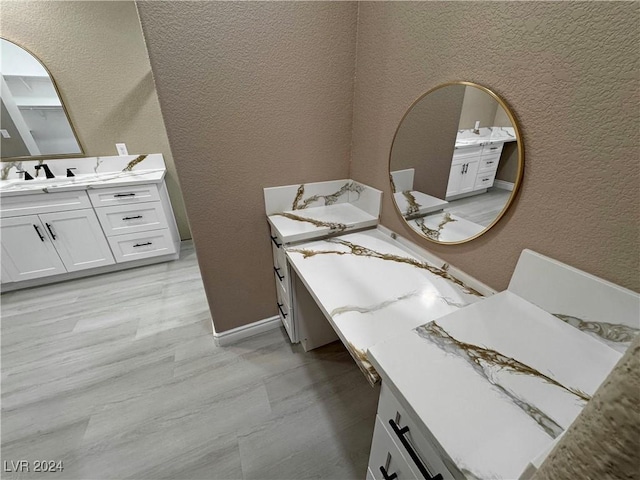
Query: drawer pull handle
x=284 y=315
x=401 y=432
x=386 y=476
x=280 y=277
x=38 y=232
x=493 y=148
x=132 y=218
x=53 y=235
x=125 y=195
x=275 y=242
x=489 y=163
x=142 y=244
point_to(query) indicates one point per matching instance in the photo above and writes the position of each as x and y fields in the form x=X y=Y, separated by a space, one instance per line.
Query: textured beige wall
x=604 y=441
x=97 y=56
x=254 y=94
x=478 y=106
x=569 y=71
x=427 y=138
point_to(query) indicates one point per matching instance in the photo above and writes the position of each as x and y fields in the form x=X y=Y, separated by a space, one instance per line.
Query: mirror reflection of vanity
x=34 y=121
x=456 y=162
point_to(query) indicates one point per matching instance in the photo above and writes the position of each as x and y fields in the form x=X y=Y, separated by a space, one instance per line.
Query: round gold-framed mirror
x=456 y=162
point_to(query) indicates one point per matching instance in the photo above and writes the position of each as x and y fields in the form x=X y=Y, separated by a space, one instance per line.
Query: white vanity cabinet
x=49 y=243
x=135 y=221
x=283 y=285
x=473 y=169
x=60 y=235
x=401 y=446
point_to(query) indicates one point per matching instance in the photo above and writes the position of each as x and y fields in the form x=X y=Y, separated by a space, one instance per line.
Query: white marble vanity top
x=467 y=137
x=445 y=227
x=413 y=203
x=495 y=382
x=371 y=288
x=91 y=172
x=312 y=210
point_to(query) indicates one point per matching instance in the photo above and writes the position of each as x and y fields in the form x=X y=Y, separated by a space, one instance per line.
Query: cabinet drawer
x=385 y=454
x=43 y=203
x=105 y=197
x=389 y=408
x=133 y=218
x=492 y=148
x=484 y=180
x=489 y=163
x=284 y=310
x=277 y=246
x=134 y=246
x=282 y=277
x=462 y=152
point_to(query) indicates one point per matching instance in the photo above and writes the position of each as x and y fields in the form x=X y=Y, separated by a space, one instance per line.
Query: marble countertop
x=298 y=225
x=413 y=203
x=371 y=288
x=487 y=135
x=445 y=227
x=319 y=209
x=496 y=382
x=90 y=172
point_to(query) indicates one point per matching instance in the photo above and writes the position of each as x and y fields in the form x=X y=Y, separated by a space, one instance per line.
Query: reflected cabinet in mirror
x=34 y=121
x=456 y=162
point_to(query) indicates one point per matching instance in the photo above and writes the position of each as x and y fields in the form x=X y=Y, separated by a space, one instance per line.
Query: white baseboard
x=503 y=185
x=234 y=335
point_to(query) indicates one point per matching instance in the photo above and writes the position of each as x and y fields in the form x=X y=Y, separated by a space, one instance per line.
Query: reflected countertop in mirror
x=35 y=123
x=456 y=162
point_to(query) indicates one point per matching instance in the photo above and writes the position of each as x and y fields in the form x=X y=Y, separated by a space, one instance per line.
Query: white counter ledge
x=370 y=287
x=312 y=210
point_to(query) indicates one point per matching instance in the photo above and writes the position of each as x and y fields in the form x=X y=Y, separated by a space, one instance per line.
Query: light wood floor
x=117 y=376
x=481 y=209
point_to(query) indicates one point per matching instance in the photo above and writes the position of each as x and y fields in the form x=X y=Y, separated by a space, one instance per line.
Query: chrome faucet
x=47 y=172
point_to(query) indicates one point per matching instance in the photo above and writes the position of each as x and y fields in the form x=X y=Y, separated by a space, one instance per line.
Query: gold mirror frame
x=520 y=149
x=79 y=154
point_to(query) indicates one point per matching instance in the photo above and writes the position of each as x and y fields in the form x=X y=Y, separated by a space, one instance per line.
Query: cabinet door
x=469 y=177
x=78 y=239
x=455 y=179
x=27 y=251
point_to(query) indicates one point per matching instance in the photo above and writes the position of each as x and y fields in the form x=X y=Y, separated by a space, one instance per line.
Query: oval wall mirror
x=34 y=121
x=456 y=162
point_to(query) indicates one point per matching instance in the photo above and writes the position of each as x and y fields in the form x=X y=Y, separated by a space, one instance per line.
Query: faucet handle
x=69 y=172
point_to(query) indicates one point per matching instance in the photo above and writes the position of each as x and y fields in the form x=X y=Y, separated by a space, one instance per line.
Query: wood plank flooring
x=118 y=377
x=481 y=209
